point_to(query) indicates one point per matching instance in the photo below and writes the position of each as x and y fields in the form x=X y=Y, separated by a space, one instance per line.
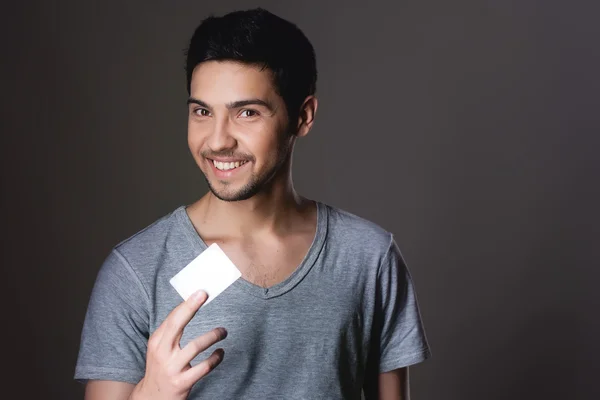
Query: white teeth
x=225 y=166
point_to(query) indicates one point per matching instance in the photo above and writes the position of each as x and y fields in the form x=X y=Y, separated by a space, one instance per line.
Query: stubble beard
x=255 y=183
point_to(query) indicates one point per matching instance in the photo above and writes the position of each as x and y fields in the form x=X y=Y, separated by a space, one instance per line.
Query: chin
x=233 y=194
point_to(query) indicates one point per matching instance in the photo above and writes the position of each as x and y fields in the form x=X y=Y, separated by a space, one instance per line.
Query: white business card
x=212 y=271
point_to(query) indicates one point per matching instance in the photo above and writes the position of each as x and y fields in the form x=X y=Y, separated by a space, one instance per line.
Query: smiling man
x=325 y=307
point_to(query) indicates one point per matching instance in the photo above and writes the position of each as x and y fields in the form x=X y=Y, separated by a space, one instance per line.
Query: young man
x=325 y=307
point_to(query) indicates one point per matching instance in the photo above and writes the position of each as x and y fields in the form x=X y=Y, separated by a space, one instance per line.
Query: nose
x=221 y=138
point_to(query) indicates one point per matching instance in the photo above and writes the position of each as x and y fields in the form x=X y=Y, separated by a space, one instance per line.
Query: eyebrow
x=235 y=104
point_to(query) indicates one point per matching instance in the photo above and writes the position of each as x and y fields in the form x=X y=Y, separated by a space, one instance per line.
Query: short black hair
x=258 y=37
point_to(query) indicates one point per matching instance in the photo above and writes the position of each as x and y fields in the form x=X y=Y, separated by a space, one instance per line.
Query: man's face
x=237 y=128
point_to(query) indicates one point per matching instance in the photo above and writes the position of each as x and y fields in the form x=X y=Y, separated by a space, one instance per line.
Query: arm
x=394 y=385
x=100 y=390
x=398 y=337
x=169 y=374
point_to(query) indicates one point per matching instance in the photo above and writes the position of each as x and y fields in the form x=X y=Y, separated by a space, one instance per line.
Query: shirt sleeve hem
x=405 y=361
x=85 y=373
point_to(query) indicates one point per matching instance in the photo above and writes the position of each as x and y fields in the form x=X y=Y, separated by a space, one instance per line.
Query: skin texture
x=236 y=114
x=393 y=385
x=222 y=125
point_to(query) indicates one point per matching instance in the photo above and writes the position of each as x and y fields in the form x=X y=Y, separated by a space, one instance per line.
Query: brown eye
x=248 y=113
x=202 y=112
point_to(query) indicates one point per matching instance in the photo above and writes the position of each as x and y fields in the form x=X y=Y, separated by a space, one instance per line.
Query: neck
x=271 y=211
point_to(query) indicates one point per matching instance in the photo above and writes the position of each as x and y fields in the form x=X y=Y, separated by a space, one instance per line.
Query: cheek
x=194 y=137
x=265 y=148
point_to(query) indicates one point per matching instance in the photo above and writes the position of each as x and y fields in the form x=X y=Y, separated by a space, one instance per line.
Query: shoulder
x=141 y=265
x=146 y=250
x=348 y=229
x=153 y=234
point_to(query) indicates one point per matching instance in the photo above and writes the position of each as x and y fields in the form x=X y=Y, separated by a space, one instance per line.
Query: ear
x=306 y=117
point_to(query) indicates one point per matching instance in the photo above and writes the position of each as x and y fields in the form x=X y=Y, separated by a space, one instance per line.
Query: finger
x=171 y=329
x=203 y=368
x=199 y=344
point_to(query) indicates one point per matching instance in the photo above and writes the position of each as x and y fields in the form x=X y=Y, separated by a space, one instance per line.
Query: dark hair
x=258 y=37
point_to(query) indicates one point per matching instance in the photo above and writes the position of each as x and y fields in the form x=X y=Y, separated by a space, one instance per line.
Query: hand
x=169 y=374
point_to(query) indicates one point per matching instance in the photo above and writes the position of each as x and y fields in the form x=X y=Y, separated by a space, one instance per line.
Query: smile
x=226 y=166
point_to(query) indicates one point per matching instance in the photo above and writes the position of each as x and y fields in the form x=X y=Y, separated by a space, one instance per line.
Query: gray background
x=467 y=128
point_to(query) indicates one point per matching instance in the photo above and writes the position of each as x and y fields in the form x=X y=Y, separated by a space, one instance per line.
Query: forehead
x=226 y=81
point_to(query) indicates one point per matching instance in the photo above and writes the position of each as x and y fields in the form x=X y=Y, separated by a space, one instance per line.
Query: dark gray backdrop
x=467 y=128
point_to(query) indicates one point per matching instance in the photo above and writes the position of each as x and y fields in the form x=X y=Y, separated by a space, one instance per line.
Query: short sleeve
x=115 y=330
x=399 y=331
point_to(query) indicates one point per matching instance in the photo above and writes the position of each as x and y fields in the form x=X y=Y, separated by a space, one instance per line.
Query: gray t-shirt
x=348 y=312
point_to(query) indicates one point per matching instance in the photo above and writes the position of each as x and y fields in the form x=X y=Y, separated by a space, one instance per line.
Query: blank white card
x=212 y=271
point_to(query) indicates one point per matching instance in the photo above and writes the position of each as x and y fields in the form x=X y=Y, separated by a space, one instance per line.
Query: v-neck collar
x=291 y=281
